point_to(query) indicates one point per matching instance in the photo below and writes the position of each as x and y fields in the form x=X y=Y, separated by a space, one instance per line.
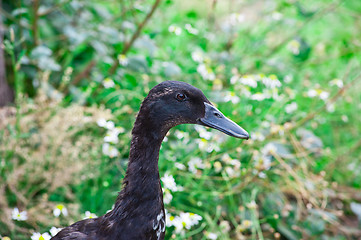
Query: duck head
x=171 y=103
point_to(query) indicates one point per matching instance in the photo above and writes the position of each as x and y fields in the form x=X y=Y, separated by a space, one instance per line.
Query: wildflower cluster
x=169 y=186
x=257 y=87
x=47 y=235
x=111 y=137
x=323 y=95
x=184 y=221
x=209 y=140
x=270 y=81
x=204 y=69
x=232 y=166
x=178 y=30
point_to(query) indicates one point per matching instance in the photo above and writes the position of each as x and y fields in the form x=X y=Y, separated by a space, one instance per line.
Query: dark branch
x=136 y=34
x=6 y=93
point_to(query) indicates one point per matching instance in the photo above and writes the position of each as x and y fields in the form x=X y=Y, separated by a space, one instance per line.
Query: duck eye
x=181 y=96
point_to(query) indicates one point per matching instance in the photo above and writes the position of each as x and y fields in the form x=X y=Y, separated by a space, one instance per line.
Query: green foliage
x=287 y=71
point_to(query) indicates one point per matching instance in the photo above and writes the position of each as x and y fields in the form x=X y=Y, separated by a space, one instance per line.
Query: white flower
x=167 y=196
x=318 y=93
x=258 y=136
x=169 y=219
x=344 y=118
x=38 y=236
x=109 y=125
x=271 y=81
x=234 y=79
x=109 y=150
x=178 y=224
x=189 y=219
x=262 y=175
x=248 y=80
x=90 y=215
x=101 y=122
x=206 y=72
x=112 y=135
x=269 y=149
x=123 y=60
x=191 y=29
x=330 y=107
x=203 y=133
x=111 y=138
x=204 y=144
x=183 y=221
x=290 y=108
x=181 y=135
x=19 y=216
x=324 y=95
x=235 y=18
x=294 y=47
x=195 y=163
x=336 y=82
x=312 y=93
x=54 y=230
x=197 y=56
x=179 y=166
x=60 y=209
x=231 y=96
x=169 y=182
x=288 y=78
x=212 y=236
x=175 y=29
x=105 y=124
x=252 y=205
x=227 y=159
x=232 y=172
x=263 y=162
x=108 y=83
x=258 y=96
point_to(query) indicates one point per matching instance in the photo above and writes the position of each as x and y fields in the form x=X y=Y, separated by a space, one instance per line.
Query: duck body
x=139 y=211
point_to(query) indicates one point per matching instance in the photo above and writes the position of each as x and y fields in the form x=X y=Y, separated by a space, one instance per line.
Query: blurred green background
x=287 y=71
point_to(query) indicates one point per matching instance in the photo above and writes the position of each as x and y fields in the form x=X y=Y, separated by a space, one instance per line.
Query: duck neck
x=142 y=174
x=142 y=191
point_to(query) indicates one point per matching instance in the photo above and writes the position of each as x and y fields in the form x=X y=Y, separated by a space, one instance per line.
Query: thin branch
x=83 y=74
x=53 y=8
x=14 y=19
x=6 y=93
x=136 y=34
x=35 y=22
x=127 y=46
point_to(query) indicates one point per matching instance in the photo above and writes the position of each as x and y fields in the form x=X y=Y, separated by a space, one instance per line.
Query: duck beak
x=215 y=119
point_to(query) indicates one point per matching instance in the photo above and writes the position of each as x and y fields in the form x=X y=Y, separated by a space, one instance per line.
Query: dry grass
x=46 y=156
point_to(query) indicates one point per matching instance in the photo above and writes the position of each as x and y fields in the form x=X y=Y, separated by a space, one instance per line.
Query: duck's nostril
x=217 y=115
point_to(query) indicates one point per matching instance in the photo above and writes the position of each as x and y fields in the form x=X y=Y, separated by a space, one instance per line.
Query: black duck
x=139 y=211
